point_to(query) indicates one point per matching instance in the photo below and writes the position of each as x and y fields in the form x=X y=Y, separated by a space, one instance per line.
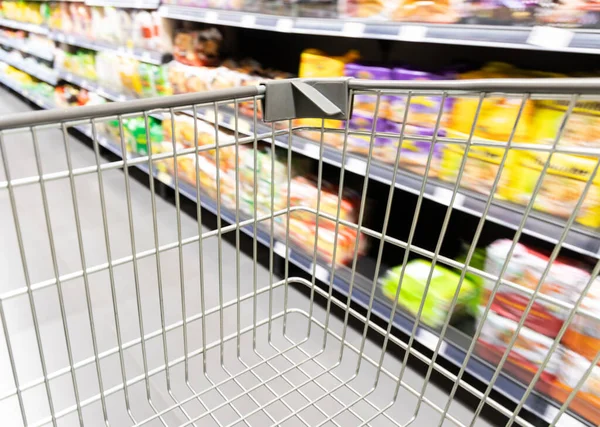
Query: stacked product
x=302 y=224
x=25 y=81
x=71 y=96
x=121 y=27
x=565 y=281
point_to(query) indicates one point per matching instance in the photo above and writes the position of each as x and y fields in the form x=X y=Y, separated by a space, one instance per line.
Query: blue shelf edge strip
x=536 y=404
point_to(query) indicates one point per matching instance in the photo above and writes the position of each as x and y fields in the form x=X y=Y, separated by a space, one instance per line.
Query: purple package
x=423 y=109
x=415 y=153
x=367 y=102
x=362 y=121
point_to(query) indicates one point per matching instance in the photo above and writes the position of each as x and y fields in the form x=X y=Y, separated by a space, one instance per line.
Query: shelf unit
x=530 y=38
x=544 y=227
x=144 y=55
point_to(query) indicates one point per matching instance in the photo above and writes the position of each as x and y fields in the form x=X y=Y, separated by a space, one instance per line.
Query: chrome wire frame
x=309 y=340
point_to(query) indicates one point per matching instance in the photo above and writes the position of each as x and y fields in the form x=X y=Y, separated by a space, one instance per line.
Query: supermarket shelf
x=544 y=227
x=130 y=4
x=91 y=86
x=30 y=28
x=144 y=55
x=38 y=74
x=36 y=99
x=453 y=347
x=284 y=20
x=16 y=44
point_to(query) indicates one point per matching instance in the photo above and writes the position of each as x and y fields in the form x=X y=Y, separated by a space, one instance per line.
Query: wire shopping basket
x=117 y=312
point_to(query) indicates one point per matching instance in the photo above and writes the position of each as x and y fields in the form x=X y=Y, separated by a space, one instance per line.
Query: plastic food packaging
x=367 y=103
x=441 y=290
x=199 y=48
x=583 y=334
x=562 y=186
x=481 y=168
x=563 y=281
x=528 y=352
x=415 y=152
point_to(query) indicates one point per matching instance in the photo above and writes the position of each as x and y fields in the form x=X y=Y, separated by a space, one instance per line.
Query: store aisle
x=173 y=277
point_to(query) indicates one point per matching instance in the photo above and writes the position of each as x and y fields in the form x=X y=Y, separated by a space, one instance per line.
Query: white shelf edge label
x=284 y=25
x=279 y=249
x=311 y=150
x=550 y=37
x=444 y=196
x=248 y=20
x=413 y=32
x=321 y=272
x=357 y=166
x=430 y=340
x=353 y=29
x=211 y=16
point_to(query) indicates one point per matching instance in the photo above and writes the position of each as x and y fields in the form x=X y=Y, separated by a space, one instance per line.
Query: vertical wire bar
x=59 y=289
x=412 y=233
x=237 y=229
x=506 y=263
x=136 y=276
x=547 y=268
x=255 y=234
x=111 y=273
x=558 y=338
x=5 y=330
x=219 y=234
x=438 y=247
x=158 y=264
x=272 y=232
x=574 y=392
x=382 y=240
x=473 y=247
x=361 y=213
x=181 y=269
x=287 y=228
x=36 y=326
x=316 y=245
x=200 y=244
x=336 y=229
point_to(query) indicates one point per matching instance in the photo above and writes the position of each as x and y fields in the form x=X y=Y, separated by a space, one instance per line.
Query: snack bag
x=582 y=129
x=363 y=121
x=439 y=295
x=528 y=352
x=423 y=110
x=365 y=102
x=573 y=368
x=561 y=187
x=498 y=114
x=481 y=168
x=583 y=334
x=438 y=11
x=415 y=153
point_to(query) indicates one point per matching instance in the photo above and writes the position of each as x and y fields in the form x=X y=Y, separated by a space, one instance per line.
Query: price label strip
x=550 y=37
x=353 y=29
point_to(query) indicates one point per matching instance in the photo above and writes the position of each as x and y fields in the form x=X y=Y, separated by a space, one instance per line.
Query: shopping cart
x=140 y=337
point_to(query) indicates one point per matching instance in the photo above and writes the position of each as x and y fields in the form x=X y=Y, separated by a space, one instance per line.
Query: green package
x=439 y=295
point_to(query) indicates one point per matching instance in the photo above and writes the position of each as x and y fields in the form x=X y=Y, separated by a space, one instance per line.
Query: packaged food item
x=496 y=12
x=358 y=143
x=561 y=187
x=481 y=168
x=364 y=102
x=423 y=110
x=199 y=48
x=583 y=334
x=563 y=281
x=415 y=152
x=573 y=368
x=528 y=352
x=441 y=290
x=582 y=129
x=498 y=114
x=438 y=11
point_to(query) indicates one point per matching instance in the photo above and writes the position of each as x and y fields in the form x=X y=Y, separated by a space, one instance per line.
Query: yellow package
x=562 y=186
x=498 y=113
x=581 y=130
x=481 y=168
x=316 y=64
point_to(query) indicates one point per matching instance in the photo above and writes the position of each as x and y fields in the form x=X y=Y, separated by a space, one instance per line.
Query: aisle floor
x=175 y=276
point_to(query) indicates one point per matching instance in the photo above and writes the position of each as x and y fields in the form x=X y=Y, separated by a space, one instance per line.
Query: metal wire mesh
x=192 y=343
